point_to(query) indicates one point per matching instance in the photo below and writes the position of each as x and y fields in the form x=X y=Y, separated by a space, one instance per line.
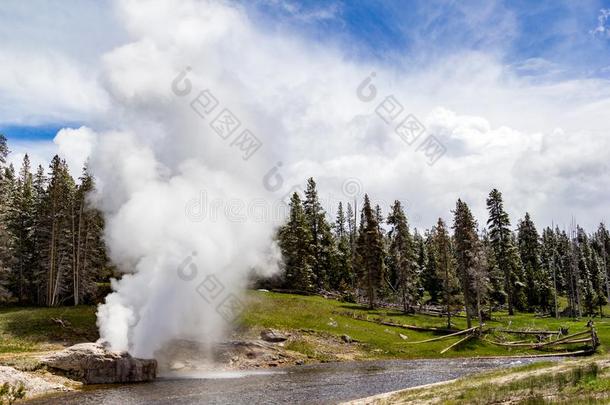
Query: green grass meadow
x=36 y=329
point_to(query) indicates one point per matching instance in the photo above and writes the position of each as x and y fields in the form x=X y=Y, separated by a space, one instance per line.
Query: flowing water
x=312 y=384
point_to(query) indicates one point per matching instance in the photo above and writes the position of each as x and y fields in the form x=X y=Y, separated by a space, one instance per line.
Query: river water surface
x=312 y=384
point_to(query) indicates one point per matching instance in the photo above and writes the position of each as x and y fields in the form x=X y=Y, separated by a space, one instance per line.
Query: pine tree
x=480 y=278
x=575 y=267
x=466 y=245
x=89 y=258
x=352 y=231
x=57 y=220
x=602 y=243
x=591 y=271
x=529 y=250
x=379 y=219
x=4 y=151
x=323 y=248
x=41 y=236
x=566 y=283
x=7 y=240
x=497 y=294
x=342 y=279
x=5 y=237
x=295 y=242
x=421 y=261
x=596 y=273
x=370 y=254
x=429 y=273
x=586 y=271
x=20 y=224
x=519 y=289
x=401 y=257
x=442 y=258
x=549 y=265
x=499 y=235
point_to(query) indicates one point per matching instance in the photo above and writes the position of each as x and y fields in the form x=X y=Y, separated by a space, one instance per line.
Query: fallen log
x=457 y=343
x=508 y=344
x=537 y=345
x=553 y=342
x=403 y=326
x=412 y=327
x=530 y=332
x=523 y=356
x=570 y=342
x=446 y=336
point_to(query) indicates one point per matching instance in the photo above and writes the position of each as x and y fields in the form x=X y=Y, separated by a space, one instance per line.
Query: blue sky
x=545 y=40
x=33 y=133
x=558 y=31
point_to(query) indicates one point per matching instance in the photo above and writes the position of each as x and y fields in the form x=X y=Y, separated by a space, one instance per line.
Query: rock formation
x=92 y=363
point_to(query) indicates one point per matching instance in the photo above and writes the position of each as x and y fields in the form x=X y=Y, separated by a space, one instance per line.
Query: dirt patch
x=325 y=347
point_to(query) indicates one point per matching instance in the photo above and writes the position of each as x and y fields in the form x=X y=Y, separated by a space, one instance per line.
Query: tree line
x=459 y=266
x=51 y=247
x=52 y=252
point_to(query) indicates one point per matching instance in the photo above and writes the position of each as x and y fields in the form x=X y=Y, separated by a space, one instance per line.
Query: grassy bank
x=36 y=329
x=585 y=381
x=311 y=319
x=334 y=318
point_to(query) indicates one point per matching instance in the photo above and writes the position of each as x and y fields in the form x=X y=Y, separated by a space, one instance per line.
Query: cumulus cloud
x=50 y=60
x=299 y=99
x=46 y=87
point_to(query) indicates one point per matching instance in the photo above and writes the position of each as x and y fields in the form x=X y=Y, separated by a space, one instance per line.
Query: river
x=310 y=384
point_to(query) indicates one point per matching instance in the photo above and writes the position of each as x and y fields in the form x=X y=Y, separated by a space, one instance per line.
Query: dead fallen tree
x=457 y=343
x=575 y=338
x=546 y=338
x=461 y=332
x=531 y=332
x=470 y=333
x=556 y=354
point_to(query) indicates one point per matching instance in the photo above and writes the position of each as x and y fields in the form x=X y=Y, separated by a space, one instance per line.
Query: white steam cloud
x=184 y=267
x=184 y=276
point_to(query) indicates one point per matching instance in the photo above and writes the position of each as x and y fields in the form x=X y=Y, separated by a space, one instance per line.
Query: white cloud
x=49 y=55
x=542 y=144
x=41 y=87
x=296 y=10
x=603 y=27
x=74 y=145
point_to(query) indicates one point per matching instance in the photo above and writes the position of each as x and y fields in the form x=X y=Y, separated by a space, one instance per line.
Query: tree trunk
x=50 y=271
x=447 y=294
x=77 y=258
x=511 y=310
x=479 y=312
